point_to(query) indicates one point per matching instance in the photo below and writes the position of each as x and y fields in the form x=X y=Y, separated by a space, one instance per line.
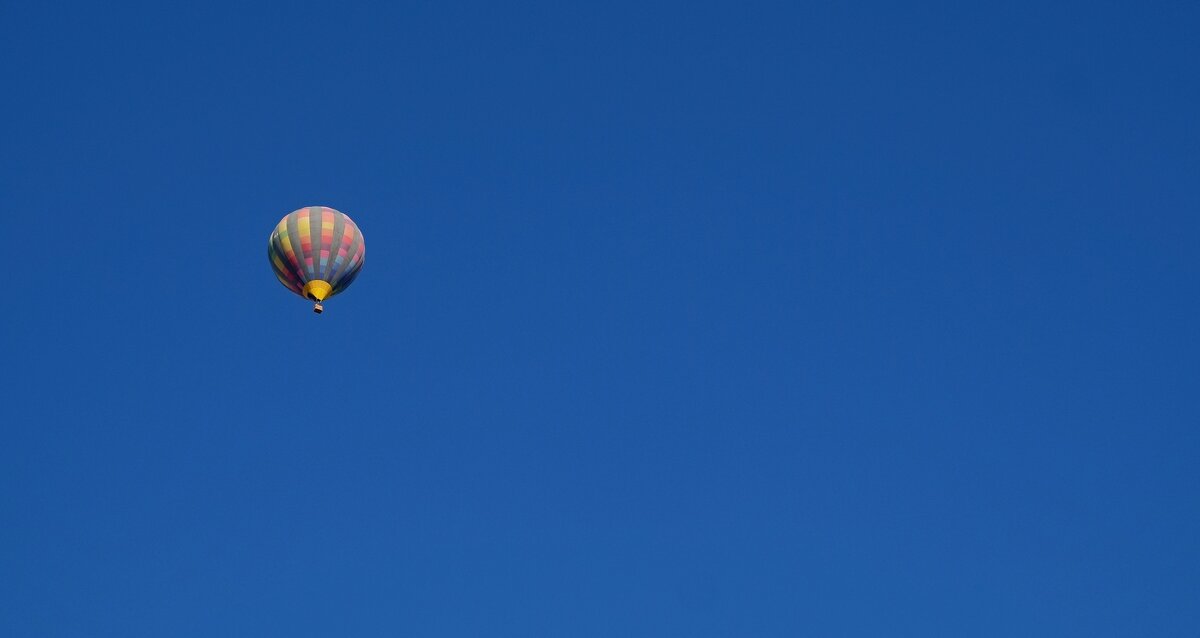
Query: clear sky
x=795 y=319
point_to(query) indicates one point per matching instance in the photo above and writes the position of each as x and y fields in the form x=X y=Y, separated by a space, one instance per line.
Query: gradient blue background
x=872 y=319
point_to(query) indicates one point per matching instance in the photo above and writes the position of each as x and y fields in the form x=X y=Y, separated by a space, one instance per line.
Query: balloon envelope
x=316 y=252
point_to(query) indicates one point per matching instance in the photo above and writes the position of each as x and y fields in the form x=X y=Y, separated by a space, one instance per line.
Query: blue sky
x=857 y=319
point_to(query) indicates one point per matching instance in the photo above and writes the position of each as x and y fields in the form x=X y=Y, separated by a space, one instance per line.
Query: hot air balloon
x=316 y=252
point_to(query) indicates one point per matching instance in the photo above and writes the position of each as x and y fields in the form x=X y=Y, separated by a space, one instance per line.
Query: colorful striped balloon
x=316 y=252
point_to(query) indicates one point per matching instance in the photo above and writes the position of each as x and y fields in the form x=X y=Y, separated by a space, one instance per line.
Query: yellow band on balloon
x=317 y=290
